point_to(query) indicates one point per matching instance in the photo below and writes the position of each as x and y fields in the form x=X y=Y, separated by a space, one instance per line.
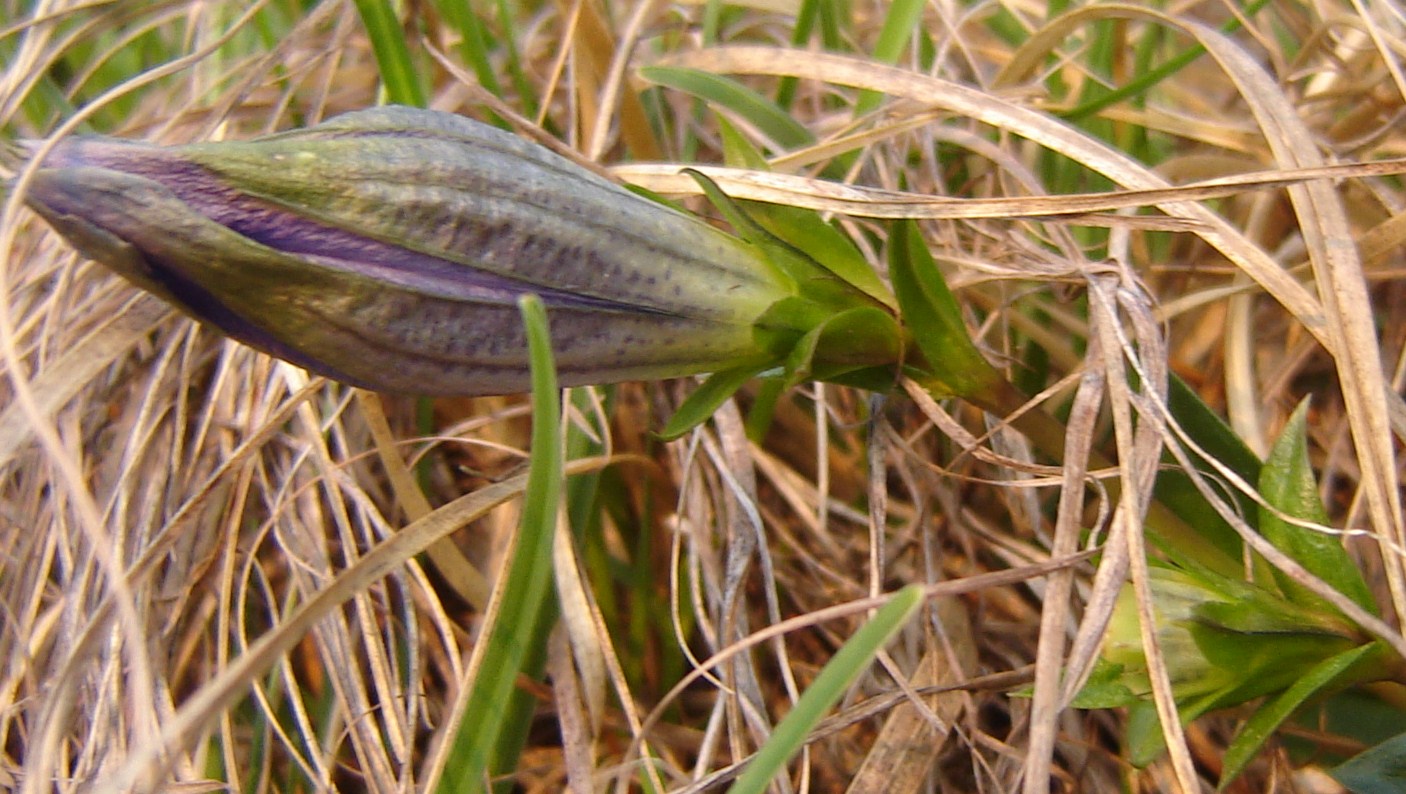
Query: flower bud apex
x=387 y=249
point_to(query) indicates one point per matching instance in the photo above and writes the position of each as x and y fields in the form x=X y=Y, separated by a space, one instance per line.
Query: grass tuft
x=1168 y=228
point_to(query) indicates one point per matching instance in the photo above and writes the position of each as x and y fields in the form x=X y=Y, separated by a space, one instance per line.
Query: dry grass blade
x=146 y=767
x=1339 y=274
x=909 y=743
x=1051 y=694
x=447 y=558
x=1139 y=457
x=866 y=202
x=1036 y=126
x=857 y=607
x=61 y=381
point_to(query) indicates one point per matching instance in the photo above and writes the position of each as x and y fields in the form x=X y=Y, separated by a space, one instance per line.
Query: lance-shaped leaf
x=952 y=362
x=1291 y=491
x=388 y=249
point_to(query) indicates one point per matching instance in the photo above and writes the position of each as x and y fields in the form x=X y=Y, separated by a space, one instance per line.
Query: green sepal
x=782 y=254
x=1225 y=642
x=1287 y=484
x=805 y=229
x=832 y=345
x=657 y=198
x=823 y=243
x=802 y=357
x=1303 y=672
x=812 y=281
x=859 y=340
x=1252 y=609
x=782 y=325
x=932 y=315
x=712 y=393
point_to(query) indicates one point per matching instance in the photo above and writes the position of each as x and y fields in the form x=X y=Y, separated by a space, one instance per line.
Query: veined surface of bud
x=387 y=248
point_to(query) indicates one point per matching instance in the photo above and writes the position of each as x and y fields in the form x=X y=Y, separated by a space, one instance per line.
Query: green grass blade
x=474 y=42
x=1146 y=81
x=806 y=17
x=522 y=83
x=494 y=726
x=837 y=676
x=765 y=115
x=398 y=73
x=902 y=22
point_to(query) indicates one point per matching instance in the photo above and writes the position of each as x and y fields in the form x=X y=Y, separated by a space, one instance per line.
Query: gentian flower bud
x=387 y=249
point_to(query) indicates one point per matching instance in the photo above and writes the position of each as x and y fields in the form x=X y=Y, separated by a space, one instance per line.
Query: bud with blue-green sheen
x=387 y=249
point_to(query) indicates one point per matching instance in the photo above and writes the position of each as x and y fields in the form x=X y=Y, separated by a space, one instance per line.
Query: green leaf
x=934 y=318
x=1210 y=431
x=725 y=92
x=1257 y=730
x=1287 y=483
x=838 y=675
x=1247 y=666
x=1145 y=743
x=1176 y=490
x=1380 y=770
x=739 y=152
x=705 y=399
x=495 y=722
x=1105 y=688
x=763 y=410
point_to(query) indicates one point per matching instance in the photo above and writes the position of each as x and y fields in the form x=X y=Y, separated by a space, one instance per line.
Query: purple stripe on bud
x=388 y=249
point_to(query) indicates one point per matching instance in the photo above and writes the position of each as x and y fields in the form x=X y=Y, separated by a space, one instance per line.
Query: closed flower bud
x=387 y=249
